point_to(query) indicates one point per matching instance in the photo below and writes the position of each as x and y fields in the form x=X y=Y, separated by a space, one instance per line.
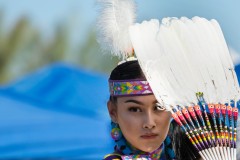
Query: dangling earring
x=116 y=132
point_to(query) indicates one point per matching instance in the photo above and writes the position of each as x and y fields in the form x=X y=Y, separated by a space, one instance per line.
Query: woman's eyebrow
x=133 y=101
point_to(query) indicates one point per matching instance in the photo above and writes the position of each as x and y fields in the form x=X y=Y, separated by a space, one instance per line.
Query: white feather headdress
x=187 y=62
x=181 y=57
x=116 y=16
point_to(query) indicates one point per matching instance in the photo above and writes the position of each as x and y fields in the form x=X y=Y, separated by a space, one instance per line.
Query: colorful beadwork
x=155 y=155
x=129 y=87
x=116 y=133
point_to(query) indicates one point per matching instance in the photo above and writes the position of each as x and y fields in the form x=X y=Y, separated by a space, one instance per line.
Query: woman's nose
x=149 y=121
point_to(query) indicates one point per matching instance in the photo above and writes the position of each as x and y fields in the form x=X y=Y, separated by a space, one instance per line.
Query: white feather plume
x=113 y=26
x=181 y=57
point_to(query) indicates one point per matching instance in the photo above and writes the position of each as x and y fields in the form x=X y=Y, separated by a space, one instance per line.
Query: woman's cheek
x=165 y=122
x=127 y=119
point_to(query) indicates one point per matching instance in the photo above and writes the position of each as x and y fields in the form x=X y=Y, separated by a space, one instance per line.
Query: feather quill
x=113 y=26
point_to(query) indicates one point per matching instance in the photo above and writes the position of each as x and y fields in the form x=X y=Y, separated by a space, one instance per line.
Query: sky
x=81 y=14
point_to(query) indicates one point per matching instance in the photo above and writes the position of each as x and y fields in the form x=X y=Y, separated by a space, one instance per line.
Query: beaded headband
x=134 y=87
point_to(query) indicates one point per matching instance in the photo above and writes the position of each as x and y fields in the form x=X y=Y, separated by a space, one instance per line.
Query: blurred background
x=53 y=75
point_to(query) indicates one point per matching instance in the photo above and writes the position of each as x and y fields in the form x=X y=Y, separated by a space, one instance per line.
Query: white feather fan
x=184 y=57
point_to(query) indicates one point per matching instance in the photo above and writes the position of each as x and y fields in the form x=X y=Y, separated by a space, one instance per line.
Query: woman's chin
x=150 y=146
x=149 y=149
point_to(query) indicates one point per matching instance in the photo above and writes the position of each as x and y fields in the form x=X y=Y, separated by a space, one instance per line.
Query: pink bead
x=211 y=108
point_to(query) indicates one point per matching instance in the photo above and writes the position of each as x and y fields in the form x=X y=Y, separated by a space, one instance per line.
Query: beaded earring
x=116 y=132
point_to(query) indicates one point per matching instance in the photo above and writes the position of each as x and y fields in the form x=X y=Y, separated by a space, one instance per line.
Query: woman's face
x=143 y=123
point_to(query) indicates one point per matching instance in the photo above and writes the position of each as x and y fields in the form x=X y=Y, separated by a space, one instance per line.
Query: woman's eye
x=134 y=109
x=160 y=108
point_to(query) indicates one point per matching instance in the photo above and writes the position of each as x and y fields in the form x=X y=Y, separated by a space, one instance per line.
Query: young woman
x=139 y=124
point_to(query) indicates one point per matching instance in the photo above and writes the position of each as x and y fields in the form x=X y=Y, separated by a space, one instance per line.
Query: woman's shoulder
x=112 y=156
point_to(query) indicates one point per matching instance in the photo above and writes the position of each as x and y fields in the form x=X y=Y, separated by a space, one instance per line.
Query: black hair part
x=127 y=70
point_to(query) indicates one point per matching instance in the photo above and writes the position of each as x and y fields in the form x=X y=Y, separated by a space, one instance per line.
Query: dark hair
x=182 y=146
x=125 y=71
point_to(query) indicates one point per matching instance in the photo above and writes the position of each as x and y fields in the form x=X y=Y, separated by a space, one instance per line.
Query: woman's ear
x=112 y=110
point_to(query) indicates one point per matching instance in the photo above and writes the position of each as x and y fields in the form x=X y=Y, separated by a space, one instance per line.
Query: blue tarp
x=58 y=111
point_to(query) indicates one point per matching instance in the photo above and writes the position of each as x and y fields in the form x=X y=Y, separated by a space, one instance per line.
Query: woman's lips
x=149 y=136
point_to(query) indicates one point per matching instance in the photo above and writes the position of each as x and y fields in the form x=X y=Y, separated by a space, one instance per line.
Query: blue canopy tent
x=58 y=111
